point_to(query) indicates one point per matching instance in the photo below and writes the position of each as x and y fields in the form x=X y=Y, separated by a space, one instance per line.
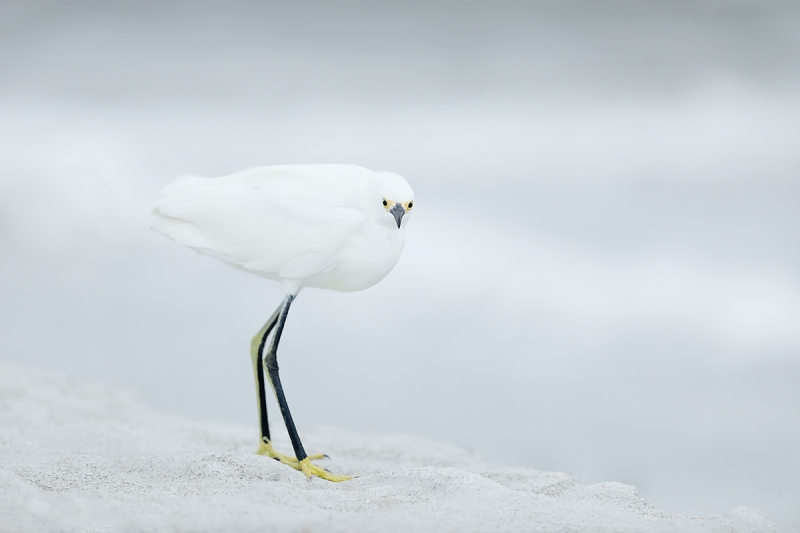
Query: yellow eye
x=385 y=203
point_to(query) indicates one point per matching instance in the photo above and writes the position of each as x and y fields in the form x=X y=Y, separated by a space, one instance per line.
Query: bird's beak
x=398 y=211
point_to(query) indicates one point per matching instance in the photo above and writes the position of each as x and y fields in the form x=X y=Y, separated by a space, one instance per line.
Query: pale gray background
x=602 y=273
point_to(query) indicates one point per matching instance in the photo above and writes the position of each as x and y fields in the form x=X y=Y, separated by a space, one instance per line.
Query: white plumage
x=303 y=225
x=336 y=227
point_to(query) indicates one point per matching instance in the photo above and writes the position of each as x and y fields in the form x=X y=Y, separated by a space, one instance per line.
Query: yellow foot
x=265 y=448
x=305 y=466
x=309 y=469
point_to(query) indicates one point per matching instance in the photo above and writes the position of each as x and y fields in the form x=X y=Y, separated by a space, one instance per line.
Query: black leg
x=271 y=360
x=257 y=354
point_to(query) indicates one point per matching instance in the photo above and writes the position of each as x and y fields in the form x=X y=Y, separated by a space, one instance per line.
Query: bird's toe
x=266 y=448
x=310 y=469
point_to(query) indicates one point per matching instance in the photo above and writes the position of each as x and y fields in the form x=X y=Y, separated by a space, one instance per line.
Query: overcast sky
x=602 y=273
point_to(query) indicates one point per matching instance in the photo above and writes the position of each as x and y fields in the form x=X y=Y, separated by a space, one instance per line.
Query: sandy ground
x=76 y=456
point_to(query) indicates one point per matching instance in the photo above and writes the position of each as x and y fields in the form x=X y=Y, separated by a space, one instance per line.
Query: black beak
x=397 y=211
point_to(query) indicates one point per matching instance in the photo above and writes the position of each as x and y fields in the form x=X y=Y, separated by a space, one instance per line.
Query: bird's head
x=397 y=198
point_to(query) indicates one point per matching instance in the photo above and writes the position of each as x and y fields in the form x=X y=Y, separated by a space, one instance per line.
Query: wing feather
x=273 y=221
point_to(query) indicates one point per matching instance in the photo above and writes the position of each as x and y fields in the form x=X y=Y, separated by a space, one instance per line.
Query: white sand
x=80 y=457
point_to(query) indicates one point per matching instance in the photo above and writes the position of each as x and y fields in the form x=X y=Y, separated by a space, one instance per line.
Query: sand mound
x=76 y=456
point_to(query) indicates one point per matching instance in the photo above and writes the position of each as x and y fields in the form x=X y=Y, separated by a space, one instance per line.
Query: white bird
x=339 y=227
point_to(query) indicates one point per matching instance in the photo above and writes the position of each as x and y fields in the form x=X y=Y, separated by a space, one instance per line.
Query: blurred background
x=602 y=273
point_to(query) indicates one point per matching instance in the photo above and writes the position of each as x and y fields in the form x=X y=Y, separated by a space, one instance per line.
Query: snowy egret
x=338 y=227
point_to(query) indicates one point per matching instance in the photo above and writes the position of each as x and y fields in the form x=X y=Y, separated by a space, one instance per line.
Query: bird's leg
x=256 y=354
x=303 y=461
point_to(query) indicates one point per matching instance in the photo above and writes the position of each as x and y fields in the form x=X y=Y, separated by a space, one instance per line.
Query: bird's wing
x=269 y=223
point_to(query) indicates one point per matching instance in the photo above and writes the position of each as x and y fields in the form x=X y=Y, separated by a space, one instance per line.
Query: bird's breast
x=366 y=259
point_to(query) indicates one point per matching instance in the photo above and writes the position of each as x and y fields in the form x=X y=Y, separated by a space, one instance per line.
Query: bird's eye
x=385 y=203
x=410 y=205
